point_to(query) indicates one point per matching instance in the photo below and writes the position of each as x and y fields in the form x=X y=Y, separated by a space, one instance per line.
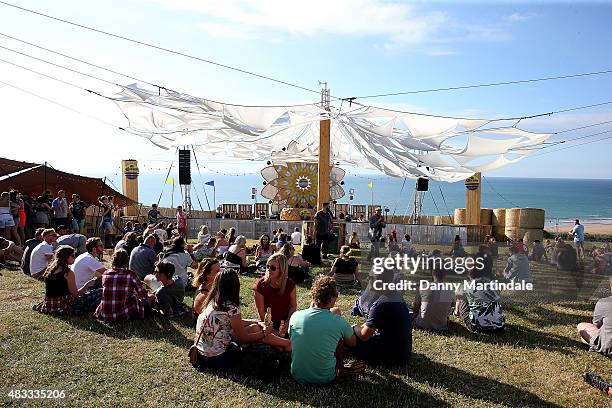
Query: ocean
x=563 y=199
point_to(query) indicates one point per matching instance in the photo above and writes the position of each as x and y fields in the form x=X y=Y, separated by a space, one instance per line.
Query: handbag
x=193 y=350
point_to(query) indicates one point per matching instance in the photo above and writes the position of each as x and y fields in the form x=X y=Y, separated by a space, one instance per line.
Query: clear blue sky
x=359 y=47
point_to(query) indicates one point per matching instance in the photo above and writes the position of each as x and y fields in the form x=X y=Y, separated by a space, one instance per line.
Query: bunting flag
x=371 y=184
x=210 y=183
x=170 y=181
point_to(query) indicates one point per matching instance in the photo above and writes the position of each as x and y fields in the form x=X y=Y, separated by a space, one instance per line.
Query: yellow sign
x=131 y=170
x=473 y=182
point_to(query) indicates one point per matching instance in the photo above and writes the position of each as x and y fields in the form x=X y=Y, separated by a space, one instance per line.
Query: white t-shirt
x=296 y=238
x=38 y=259
x=84 y=267
x=578 y=232
x=161 y=233
x=181 y=261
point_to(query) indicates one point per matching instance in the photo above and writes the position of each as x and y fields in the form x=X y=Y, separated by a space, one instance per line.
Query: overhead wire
x=160 y=48
x=492 y=84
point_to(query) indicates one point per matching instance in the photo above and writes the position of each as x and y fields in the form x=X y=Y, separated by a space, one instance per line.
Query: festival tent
x=400 y=144
x=31 y=181
x=8 y=166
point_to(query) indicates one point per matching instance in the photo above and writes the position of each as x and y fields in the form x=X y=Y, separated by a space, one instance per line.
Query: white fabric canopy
x=396 y=143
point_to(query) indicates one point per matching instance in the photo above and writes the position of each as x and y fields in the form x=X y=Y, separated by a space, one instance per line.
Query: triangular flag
x=170 y=181
x=371 y=185
x=210 y=183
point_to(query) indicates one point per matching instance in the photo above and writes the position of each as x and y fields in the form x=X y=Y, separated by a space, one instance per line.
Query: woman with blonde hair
x=276 y=291
x=345 y=269
x=61 y=293
x=298 y=267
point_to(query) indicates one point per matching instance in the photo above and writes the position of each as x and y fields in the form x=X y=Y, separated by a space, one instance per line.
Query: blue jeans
x=78 y=225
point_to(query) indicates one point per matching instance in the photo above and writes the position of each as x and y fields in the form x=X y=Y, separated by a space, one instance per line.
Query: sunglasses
x=271 y=267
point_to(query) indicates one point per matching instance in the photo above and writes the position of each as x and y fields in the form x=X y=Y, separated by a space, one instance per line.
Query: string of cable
x=160 y=48
x=485 y=85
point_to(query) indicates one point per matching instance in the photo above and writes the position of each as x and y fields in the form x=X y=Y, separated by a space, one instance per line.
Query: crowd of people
x=153 y=267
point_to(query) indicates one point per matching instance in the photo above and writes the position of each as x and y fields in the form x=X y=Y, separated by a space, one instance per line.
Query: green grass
x=537 y=362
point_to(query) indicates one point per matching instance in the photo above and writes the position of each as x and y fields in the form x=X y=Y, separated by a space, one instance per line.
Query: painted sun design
x=295 y=184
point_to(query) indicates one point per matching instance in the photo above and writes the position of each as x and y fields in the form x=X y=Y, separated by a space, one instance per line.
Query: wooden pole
x=472 y=199
x=324 y=160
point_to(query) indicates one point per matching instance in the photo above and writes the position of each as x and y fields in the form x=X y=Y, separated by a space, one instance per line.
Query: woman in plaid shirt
x=123 y=296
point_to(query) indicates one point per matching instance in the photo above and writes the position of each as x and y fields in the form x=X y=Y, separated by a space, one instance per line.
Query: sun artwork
x=295 y=184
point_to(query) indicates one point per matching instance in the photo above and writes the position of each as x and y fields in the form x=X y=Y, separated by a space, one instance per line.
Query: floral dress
x=481 y=309
x=217 y=328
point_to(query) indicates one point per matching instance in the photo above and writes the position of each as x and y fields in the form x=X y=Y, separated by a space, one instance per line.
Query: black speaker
x=422 y=184
x=184 y=167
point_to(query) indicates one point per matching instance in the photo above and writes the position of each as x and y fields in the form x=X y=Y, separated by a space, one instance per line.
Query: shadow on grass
x=380 y=389
x=154 y=328
x=519 y=337
x=458 y=381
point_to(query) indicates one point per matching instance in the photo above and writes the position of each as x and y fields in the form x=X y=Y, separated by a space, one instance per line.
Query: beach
x=589 y=228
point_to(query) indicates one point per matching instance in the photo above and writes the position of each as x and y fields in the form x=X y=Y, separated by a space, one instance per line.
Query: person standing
x=77 y=209
x=106 y=223
x=181 y=221
x=578 y=233
x=60 y=209
x=153 y=214
x=377 y=223
x=323 y=229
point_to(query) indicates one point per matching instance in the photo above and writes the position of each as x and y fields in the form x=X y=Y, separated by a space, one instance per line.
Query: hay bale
x=486 y=216
x=499 y=233
x=290 y=214
x=531 y=218
x=531 y=234
x=460 y=216
x=498 y=217
x=513 y=218
x=513 y=233
x=443 y=219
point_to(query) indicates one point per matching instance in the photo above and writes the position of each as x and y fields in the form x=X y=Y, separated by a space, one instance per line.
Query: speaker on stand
x=185 y=178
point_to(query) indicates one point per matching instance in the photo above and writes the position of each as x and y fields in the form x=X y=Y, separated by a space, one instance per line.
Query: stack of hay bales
x=460 y=216
x=498 y=221
x=486 y=216
x=525 y=223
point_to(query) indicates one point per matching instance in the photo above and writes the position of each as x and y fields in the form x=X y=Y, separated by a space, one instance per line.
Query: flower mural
x=295 y=184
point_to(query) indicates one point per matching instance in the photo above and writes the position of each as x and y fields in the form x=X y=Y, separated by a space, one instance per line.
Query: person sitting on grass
x=517 y=267
x=493 y=247
x=432 y=306
x=480 y=310
x=160 y=231
x=486 y=257
x=30 y=244
x=222 y=243
x=86 y=266
x=77 y=241
x=598 y=334
x=231 y=236
x=406 y=246
x=129 y=242
x=311 y=253
x=298 y=267
x=457 y=249
x=282 y=240
x=296 y=237
x=521 y=247
x=42 y=254
x=318 y=336
x=566 y=256
x=62 y=295
x=538 y=252
x=143 y=257
x=203 y=235
x=264 y=251
x=393 y=244
x=168 y=298
x=181 y=256
x=277 y=292
x=345 y=269
x=203 y=251
x=386 y=336
x=220 y=329
x=354 y=243
x=236 y=256
x=123 y=296
x=202 y=281
x=9 y=251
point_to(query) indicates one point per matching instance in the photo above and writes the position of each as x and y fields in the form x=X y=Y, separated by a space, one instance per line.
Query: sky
x=359 y=47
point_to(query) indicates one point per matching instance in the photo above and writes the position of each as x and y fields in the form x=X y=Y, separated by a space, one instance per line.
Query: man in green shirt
x=315 y=336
